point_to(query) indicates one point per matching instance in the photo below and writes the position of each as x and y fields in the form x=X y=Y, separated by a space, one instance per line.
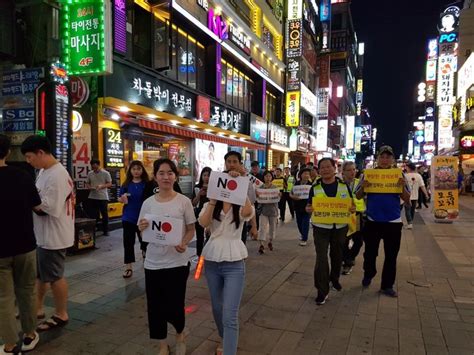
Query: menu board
x=113 y=148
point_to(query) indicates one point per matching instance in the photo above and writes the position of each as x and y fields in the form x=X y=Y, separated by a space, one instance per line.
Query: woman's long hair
x=201 y=180
x=129 y=177
x=235 y=213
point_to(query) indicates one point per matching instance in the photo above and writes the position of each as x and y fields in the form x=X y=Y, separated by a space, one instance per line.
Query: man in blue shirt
x=383 y=222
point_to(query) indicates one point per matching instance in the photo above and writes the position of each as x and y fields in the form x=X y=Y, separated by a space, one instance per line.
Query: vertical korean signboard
x=87 y=35
x=294 y=51
x=444 y=180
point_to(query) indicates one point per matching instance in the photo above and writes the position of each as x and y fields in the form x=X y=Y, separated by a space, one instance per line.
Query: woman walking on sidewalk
x=302 y=217
x=131 y=195
x=167 y=267
x=224 y=256
x=268 y=216
x=199 y=198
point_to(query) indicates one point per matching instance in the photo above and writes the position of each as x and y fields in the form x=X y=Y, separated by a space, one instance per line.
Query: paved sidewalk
x=434 y=313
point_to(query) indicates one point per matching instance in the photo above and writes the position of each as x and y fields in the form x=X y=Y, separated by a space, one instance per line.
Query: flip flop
x=52 y=323
x=127 y=273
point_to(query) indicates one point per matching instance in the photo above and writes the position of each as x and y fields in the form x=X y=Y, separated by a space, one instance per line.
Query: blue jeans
x=302 y=220
x=226 y=284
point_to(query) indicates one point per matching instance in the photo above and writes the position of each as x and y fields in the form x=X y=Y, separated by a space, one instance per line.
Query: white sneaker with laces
x=303 y=243
x=29 y=343
x=410 y=226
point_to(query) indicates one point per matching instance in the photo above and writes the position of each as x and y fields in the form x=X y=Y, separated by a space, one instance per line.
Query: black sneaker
x=366 y=281
x=321 y=299
x=336 y=286
x=346 y=270
x=390 y=292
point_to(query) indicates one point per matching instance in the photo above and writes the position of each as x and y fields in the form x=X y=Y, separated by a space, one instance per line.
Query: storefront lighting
x=340 y=91
x=220 y=133
x=232 y=136
x=209 y=130
x=256 y=45
x=242 y=139
x=151 y=115
x=174 y=122
x=115 y=116
x=218 y=10
x=361 y=48
x=124 y=109
x=193 y=126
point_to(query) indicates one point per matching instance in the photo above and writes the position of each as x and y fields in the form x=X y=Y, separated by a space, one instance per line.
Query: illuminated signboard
x=292 y=109
x=217 y=25
x=445 y=124
x=239 y=38
x=350 y=131
x=295 y=9
x=309 y=101
x=323 y=102
x=446 y=69
x=325 y=18
x=87 y=37
x=431 y=70
x=120 y=26
x=432 y=49
x=410 y=146
x=322 y=136
x=358 y=139
x=113 y=148
x=295 y=38
x=449 y=20
x=429 y=131
x=466 y=76
x=467 y=141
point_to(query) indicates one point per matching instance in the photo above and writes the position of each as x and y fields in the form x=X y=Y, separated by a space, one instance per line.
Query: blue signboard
x=19 y=88
x=18 y=125
x=22 y=75
x=19 y=113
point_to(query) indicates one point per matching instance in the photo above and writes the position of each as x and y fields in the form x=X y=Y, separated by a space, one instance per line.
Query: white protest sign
x=301 y=191
x=255 y=181
x=163 y=230
x=223 y=187
x=268 y=195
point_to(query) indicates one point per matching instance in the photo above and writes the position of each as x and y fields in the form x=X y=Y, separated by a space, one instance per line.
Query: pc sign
x=223 y=187
x=163 y=230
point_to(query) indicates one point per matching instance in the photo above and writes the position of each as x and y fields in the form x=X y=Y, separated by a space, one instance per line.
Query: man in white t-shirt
x=415 y=182
x=53 y=226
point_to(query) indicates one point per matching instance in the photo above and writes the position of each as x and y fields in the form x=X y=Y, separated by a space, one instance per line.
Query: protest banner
x=279 y=183
x=223 y=187
x=383 y=181
x=301 y=191
x=330 y=210
x=268 y=195
x=163 y=230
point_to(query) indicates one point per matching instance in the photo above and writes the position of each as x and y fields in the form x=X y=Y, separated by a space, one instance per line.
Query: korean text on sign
x=383 y=180
x=330 y=210
x=268 y=195
x=301 y=191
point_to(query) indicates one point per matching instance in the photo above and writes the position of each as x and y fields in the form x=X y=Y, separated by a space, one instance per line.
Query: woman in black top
x=199 y=199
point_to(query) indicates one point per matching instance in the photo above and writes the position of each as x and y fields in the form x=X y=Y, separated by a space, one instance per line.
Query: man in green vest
x=290 y=182
x=328 y=237
x=350 y=253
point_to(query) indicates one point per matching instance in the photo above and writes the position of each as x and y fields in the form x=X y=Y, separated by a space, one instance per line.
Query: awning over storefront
x=189 y=133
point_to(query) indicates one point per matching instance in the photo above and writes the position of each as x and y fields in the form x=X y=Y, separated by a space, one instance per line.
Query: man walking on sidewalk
x=53 y=225
x=17 y=254
x=98 y=181
x=416 y=183
x=384 y=222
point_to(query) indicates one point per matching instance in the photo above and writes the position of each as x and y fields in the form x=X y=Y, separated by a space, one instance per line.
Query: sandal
x=127 y=273
x=51 y=323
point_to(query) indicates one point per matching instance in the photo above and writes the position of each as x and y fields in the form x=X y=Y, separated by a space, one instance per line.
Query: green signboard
x=86 y=34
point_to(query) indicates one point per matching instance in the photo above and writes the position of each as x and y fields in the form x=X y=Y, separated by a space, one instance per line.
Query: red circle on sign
x=232 y=185
x=166 y=227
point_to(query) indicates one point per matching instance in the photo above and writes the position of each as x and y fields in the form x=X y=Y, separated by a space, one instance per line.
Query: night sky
x=395 y=35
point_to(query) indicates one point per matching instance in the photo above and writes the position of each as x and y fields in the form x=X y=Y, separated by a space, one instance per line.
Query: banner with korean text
x=330 y=210
x=268 y=195
x=383 y=181
x=444 y=183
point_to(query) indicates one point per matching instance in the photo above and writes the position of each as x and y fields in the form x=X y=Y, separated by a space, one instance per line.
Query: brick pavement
x=434 y=313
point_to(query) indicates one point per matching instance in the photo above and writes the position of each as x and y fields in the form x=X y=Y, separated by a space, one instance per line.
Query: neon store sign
x=216 y=23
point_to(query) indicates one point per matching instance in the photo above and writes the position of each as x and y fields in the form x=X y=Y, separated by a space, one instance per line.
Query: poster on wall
x=444 y=182
x=209 y=154
x=81 y=156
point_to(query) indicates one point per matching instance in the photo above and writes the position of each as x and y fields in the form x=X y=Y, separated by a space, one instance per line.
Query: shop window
x=270 y=109
x=161 y=58
x=235 y=91
x=241 y=91
x=142 y=36
x=200 y=65
x=223 y=80
x=229 y=85
x=182 y=60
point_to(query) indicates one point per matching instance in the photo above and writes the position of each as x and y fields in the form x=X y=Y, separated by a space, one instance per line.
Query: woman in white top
x=167 y=267
x=224 y=256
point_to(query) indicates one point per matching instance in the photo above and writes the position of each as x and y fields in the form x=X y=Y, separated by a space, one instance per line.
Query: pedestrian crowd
x=39 y=210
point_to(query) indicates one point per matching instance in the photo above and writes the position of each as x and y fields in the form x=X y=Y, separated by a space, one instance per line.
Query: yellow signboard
x=359 y=85
x=444 y=174
x=329 y=210
x=279 y=183
x=292 y=109
x=383 y=181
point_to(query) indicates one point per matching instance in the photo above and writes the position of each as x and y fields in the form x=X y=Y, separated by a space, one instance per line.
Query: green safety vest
x=290 y=182
x=342 y=192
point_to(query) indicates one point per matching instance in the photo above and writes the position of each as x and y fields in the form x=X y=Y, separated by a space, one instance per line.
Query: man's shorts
x=50 y=264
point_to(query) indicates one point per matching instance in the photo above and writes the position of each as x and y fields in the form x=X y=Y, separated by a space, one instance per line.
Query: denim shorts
x=50 y=264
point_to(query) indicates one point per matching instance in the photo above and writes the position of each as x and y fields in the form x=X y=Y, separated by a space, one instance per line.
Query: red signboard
x=324 y=69
x=203 y=109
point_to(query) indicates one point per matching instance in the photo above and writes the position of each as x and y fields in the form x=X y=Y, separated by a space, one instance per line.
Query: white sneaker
x=303 y=243
x=410 y=226
x=29 y=344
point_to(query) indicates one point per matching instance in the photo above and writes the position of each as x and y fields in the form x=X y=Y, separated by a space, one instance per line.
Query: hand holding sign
x=226 y=188
x=162 y=230
x=268 y=195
